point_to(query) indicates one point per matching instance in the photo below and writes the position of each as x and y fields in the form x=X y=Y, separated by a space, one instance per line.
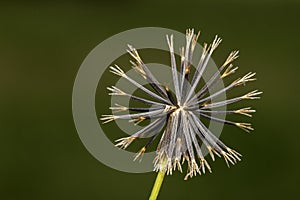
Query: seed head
x=176 y=116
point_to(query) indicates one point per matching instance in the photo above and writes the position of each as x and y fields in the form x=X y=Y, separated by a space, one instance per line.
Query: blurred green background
x=41 y=48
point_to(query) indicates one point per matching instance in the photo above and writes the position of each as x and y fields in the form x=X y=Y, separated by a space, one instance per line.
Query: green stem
x=157 y=185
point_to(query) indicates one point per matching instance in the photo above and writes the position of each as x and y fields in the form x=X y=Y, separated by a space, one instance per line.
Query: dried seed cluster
x=178 y=115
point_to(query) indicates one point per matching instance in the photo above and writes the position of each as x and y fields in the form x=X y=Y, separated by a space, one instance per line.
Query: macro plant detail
x=177 y=116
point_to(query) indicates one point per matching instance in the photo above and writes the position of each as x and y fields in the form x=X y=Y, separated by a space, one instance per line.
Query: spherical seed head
x=175 y=115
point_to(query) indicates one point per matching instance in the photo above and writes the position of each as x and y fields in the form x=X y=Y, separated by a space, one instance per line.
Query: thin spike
x=245 y=126
x=242 y=111
x=118 y=108
x=108 y=118
x=174 y=68
x=123 y=143
x=140 y=154
x=117 y=70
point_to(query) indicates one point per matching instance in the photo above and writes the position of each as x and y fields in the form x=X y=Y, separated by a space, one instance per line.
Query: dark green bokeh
x=41 y=48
